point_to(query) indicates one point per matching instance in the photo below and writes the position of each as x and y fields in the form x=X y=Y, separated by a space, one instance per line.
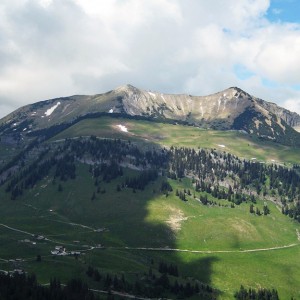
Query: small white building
x=59 y=248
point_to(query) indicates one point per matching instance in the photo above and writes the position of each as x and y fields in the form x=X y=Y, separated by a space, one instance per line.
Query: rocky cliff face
x=291 y=118
x=217 y=110
x=230 y=109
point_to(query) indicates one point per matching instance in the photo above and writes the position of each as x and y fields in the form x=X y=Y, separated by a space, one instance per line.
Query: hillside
x=149 y=206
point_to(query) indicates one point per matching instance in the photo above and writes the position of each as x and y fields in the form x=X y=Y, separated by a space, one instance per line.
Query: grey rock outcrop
x=230 y=109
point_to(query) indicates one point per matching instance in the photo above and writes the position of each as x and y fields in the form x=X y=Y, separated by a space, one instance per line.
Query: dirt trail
x=129 y=296
x=74 y=224
x=32 y=235
x=18 y=230
x=206 y=251
x=121 y=294
x=165 y=248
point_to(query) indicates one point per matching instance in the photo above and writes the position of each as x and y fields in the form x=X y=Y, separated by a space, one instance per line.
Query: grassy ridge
x=235 y=142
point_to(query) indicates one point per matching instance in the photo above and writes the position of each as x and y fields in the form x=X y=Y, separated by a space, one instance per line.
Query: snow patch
x=24 y=129
x=111 y=111
x=52 y=109
x=162 y=95
x=202 y=112
x=123 y=128
x=219 y=103
x=225 y=101
x=253 y=158
x=15 y=124
x=222 y=146
x=152 y=94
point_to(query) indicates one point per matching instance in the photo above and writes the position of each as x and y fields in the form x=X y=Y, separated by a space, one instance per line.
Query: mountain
x=151 y=196
x=231 y=109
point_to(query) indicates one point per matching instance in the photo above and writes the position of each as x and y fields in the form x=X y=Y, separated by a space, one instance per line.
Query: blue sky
x=284 y=11
x=54 y=48
x=278 y=12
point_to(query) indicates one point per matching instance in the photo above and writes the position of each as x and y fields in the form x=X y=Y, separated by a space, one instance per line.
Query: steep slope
x=218 y=110
x=230 y=109
x=291 y=118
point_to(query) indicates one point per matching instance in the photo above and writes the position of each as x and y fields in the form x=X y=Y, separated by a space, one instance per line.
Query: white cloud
x=52 y=48
x=45 y=3
x=293 y=104
x=276 y=11
x=277 y=55
x=5 y=109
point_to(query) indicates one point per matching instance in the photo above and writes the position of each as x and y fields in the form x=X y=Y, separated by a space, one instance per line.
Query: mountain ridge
x=230 y=109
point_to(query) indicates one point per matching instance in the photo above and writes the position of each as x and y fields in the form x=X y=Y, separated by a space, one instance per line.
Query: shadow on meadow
x=131 y=242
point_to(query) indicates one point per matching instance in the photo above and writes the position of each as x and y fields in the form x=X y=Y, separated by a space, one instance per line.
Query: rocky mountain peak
x=126 y=88
x=229 y=109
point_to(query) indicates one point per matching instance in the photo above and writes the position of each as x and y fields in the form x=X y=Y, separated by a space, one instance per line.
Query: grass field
x=125 y=221
x=147 y=132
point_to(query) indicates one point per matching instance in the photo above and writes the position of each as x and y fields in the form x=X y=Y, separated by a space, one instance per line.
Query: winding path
x=165 y=249
x=32 y=235
x=205 y=251
x=18 y=230
x=112 y=292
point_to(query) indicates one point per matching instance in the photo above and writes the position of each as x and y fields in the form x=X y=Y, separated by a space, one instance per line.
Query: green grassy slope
x=217 y=245
x=235 y=142
x=128 y=221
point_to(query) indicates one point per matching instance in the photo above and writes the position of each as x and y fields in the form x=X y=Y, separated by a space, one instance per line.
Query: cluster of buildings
x=61 y=251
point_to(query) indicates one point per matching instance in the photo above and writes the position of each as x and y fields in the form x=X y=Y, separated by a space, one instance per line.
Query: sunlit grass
x=237 y=143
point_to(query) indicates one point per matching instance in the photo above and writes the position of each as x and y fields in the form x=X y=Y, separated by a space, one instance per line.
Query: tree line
x=152 y=284
x=253 y=294
x=26 y=287
x=220 y=174
x=225 y=176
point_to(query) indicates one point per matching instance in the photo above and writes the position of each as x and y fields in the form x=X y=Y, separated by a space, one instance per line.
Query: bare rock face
x=222 y=107
x=291 y=118
x=230 y=109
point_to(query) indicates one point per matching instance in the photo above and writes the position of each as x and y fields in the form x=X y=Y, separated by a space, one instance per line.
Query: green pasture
x=117 y=220
x=237 y=143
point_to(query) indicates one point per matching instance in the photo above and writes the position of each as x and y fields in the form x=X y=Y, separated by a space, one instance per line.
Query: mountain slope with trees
x=131 y=213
